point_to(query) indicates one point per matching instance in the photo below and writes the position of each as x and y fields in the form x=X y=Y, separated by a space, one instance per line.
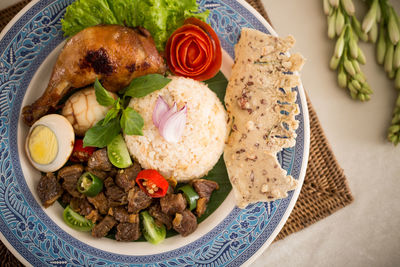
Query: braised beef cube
x=122 y=215
x=125 y=178
x=201 y=206
x=94 y=216
x=66 y=198
x=185 y=222
x=49 y=189
x=100 y=202
x=204 y=188
x=128 y=231
x=102 y=228
x=81 y=205
x=99 y=161
x=173 y=203
x=160 y=217
x=115 y=195
x=138 y=200
x=101 y=174
x=70 y=175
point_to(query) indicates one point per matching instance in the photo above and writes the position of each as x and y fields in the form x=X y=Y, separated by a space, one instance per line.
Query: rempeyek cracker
x=262 y=107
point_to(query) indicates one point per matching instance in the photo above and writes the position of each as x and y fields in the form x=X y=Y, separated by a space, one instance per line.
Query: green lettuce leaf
x=159 y=17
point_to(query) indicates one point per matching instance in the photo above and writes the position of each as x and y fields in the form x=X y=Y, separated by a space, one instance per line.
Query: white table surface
x=367 y=232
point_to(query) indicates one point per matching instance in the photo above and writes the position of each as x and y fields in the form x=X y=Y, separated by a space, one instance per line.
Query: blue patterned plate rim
x=238 y=239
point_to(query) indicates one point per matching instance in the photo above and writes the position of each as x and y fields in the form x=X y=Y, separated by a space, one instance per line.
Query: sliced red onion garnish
x=172 y=128
x=160 y=109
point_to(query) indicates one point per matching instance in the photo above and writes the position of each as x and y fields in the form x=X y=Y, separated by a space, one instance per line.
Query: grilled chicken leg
x=113 y=54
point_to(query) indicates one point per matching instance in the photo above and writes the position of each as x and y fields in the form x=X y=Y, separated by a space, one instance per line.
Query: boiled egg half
x=50 y=142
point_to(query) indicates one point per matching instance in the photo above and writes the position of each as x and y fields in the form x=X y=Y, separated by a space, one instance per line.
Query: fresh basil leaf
x=101 y=135
x=131 y=122
x=145 y=85
x=111 y=114
x=102 y=95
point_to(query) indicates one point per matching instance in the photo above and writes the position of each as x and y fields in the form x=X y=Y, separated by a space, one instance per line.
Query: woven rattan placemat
x=325 y=188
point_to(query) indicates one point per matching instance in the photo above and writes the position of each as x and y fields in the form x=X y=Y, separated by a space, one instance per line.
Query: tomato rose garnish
x=194 y=51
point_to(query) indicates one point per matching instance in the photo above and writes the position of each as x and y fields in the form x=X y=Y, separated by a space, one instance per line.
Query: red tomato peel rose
x=194 y=51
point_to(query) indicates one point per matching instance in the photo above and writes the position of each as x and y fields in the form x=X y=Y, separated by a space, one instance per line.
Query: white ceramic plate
x=29 y=46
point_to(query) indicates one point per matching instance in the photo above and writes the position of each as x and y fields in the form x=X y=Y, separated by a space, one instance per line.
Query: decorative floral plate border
x=37 y=240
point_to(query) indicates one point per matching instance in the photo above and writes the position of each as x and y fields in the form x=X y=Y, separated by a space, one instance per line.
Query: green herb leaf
x=218 y=84
x=131 y=122
x=102 y=95
x=145 y=85
x=111 y=114
x=101 y=135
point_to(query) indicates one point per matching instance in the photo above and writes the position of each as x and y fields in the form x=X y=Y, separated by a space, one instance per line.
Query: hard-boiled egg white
x=50 y=142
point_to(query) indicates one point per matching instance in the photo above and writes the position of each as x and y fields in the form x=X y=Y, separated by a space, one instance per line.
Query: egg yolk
x=43 y=145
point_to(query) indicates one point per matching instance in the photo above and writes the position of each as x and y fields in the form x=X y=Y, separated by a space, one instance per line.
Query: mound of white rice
x=203 y=139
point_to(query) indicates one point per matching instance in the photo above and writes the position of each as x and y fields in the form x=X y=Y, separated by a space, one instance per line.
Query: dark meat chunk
x=115 y=195
x=160 y=217
x=204 y=188
x=66 y=198
x=99 y=161
x=94 y=216
x=122 y=215
x=128 y=231
x=70 y=175
x=81 y=205
x=173 y=203
x=101 y=174
x=100 y=202
x=102 y=228
x=138 y=200
x=125 y=178
x=201 y=206
x=185 y=223
x=49 y=189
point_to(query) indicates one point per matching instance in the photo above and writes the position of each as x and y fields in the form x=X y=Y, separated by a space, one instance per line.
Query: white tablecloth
x=367 y=232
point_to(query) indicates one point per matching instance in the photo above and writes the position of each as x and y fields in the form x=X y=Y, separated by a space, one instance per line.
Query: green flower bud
x=339 y=22
x=361 y=56
x=334 y=3
x=353 y=95
x=370 y=18
x=397 y=80
x=356 y=66
x=396 y=57
x=357 y=28
x=381 y=47
x=391 y=74
x=393 y=29
x=331 y=26
x=349 y=67
x=378 y=13
x=365 y=90
x=342 y=79
x=339 y=47
x=333 y=64
x=348 y=6
x=394 y=129
x=327 y=7
x=356 y=84
x=388 y=64
x=360 y=77
x=352 y=89
x=373 y=33
x=363 y=97
x=353 y=48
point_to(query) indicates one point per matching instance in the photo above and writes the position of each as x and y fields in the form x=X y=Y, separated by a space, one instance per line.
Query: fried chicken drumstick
x=114 y=54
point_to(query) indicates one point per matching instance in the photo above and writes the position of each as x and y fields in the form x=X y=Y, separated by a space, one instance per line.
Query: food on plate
x=49 y=143
x=152 y=183
x=83 y=111
x=159 y=17
x=261 y=106
x=118 y=153
x=80 y=153
x=194 y=51
x=203 y=138
x=114 y=54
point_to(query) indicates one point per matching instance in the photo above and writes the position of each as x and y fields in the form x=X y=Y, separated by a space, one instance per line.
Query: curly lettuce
x=159 y=17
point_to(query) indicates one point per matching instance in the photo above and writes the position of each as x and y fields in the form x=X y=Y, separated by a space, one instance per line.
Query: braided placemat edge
x=325 y=189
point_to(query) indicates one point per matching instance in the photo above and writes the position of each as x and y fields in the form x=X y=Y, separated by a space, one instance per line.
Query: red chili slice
x=80 y=153
x=152 y=183
x=194 y=51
